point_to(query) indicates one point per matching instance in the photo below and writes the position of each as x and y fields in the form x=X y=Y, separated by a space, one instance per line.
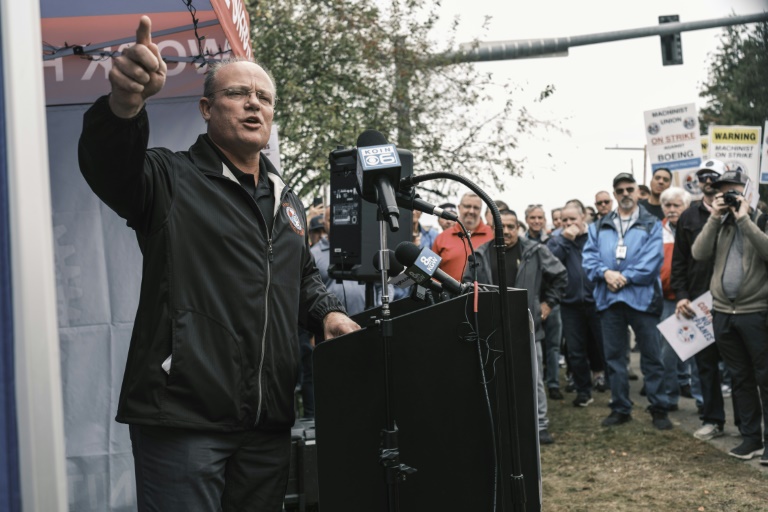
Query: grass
x=635 y=467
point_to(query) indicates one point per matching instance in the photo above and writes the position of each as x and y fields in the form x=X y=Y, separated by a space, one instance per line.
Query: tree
x=343 y=66
x=737 y=86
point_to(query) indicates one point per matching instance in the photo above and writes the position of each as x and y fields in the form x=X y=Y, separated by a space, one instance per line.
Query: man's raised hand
x=137 y=74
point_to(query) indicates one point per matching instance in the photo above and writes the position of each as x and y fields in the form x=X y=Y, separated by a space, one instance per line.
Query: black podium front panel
x=439 y=406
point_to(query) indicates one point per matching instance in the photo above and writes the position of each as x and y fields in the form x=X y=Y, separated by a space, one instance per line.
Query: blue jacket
x=580 y=287
x=641 y=267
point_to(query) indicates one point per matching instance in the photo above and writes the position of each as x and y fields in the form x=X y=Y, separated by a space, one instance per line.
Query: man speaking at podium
x=227 y=276
x=529 y=265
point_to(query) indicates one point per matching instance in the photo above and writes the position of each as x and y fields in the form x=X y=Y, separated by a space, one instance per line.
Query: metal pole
x=527 y=48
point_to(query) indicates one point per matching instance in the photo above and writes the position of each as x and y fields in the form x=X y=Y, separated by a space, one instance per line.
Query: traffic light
x=671 y=45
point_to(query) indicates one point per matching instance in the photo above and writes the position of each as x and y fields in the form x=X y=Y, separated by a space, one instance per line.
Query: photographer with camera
x=736 y=239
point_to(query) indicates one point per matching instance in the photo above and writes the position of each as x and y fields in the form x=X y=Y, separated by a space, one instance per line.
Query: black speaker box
x=355 y=235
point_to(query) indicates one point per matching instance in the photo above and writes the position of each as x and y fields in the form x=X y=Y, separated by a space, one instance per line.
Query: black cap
x=623 y=176
x=731 y=178
x=316 y=223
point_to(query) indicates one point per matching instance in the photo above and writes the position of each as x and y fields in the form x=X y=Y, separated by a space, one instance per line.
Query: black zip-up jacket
x=218 y=292
x=690 y=278
x=579 y=288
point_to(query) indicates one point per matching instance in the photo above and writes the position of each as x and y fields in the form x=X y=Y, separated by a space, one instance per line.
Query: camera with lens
x=732 y=198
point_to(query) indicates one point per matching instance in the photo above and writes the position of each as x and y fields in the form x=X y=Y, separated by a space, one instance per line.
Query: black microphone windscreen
x=407 y=253
x=395 y=267
x=371 y=138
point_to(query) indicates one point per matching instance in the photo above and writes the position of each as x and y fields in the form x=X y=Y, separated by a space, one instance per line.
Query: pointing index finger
x=144 y=32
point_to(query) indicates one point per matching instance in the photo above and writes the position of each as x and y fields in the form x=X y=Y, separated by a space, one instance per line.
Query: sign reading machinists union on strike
x=674 y=143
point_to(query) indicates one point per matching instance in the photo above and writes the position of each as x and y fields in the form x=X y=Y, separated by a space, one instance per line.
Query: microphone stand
x=389 y=451
x=516 y=478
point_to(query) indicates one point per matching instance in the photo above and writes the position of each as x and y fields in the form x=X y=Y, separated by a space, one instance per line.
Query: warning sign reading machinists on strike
x=674 y=142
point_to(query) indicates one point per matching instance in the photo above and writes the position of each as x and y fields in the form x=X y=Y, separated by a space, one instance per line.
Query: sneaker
x=726 y=389
x=616 y=418
x=582 y=400
x=555 y=394
x=545 y=437
x=747 y=449
x=631 y=375
x=709 y=431
x=661 y=420
x=685 y=391
x=561 y=362
x=764 y=458
x=599 y=383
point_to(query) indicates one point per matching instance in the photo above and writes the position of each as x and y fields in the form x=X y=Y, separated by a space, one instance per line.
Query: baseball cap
x=712 y=166
x=316 y=223
x=623 y=176
x=448 y=207
x=731 y=178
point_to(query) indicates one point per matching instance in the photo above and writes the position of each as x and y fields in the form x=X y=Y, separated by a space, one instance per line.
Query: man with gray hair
x=451 y=244
x=677 y=373
x=208 y=390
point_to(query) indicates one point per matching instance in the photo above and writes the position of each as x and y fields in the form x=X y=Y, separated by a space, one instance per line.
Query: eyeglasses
x=243 y=94
x=470 y=207
x=622 y=191
x=601 y=203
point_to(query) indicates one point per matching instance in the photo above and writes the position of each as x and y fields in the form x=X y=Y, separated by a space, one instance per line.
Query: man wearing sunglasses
x=623 y=257
x=690 y=279
x=603 y=203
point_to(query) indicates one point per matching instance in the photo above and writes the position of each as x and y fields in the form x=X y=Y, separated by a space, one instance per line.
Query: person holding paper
x=690 y=279
x=674 y=201
x=734 y=237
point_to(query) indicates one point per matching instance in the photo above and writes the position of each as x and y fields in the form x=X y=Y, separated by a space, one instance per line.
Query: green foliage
x=343 y=66
x=737 y=87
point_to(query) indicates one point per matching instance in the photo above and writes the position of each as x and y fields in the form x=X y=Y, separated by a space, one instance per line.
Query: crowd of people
x=601 y=278
x=595 y=283
x=233 y=269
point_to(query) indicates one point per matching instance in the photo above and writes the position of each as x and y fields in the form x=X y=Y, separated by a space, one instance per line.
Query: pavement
x=687 y=417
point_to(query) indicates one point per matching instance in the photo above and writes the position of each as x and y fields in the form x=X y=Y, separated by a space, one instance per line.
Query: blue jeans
x=581 y=323
x=675 y=370
x=553 y=335
x=615 y=321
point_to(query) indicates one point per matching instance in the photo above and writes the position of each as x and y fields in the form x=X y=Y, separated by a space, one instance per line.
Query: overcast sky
x=601 y=90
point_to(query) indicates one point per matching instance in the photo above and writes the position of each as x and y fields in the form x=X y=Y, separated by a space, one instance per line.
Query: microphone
x=378 y=168
x=395 y=268
x=410 y=201
x=422 y=265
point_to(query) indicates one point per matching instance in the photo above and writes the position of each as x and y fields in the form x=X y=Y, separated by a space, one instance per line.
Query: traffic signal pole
x=529 y=48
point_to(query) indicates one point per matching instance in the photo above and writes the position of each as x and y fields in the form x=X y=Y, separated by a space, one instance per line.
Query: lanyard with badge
x=621 y=249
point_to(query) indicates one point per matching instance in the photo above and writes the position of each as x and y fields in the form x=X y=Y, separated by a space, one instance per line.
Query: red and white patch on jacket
x=293 y=219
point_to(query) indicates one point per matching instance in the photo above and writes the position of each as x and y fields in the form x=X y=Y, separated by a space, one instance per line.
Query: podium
x=438 y=404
